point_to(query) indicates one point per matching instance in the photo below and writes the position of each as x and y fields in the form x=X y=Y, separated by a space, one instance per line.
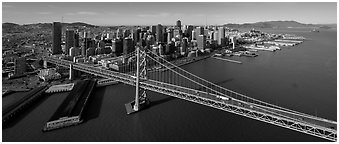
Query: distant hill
x=78 y=24
x=9 y=27
x=272 y=24
x=9 y=24
x=16 y=28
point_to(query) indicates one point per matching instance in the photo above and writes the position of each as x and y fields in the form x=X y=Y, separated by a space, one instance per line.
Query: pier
x=229 y=60
x=11 y=111
x=71 y=110
x=60 y=88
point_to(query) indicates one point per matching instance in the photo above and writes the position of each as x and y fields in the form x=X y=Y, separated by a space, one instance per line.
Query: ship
x=315 y=30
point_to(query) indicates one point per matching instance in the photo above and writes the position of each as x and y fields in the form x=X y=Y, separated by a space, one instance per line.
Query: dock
x=71 y=109
x=60 y=88
x=229 y=60
x=11 y=111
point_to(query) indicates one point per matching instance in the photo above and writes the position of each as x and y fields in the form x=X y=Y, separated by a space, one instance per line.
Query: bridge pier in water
x=141 y=101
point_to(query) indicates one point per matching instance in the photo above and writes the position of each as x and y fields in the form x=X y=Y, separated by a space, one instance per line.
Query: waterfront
x=302 y=78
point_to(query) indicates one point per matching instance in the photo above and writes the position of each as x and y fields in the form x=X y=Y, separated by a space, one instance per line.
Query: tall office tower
x=56 y=38
x=176 y=33
x=211 y=35
x=150 y=40
x=153 y=29
x=206 y=31
x=221 y=37
x=201 y=41
x=200 y=31
x=159 y=35
x=194 y=35
x=184 y=28
x=184 y=46
x=117 y=46
x=69 y=40
x=134 y=35
x=216 y=35
x=76 y=40
x=169 y=36
x=128 y=46
x=189 y=32
x=164 y=37
x=119 y=33
x=138 y=32
x=161 y=49
x=126 y=33
x=178 y=24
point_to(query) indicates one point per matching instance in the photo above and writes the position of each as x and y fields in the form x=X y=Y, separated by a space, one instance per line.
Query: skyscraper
x=159 y=35
x=216 y=36
x=119 y=33
x=126 y=33
x=76 y=40
x=189 y=32
x=200 y=31
x=69 y=40
x=178 y=24
x=201 y=41
x=194 y=35
x=176 y=33
x=128 y=46
x=184 y=46
x=169 y=36
x=56 y=38
x=221 y=37
x=153 y=29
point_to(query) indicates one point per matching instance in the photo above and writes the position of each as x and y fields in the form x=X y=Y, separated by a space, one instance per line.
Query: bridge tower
x=141 y=101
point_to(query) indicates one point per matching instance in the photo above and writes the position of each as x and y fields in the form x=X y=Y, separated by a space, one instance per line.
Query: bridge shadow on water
x=157 y=102
x=93 y=108
x=22 y=114
x=224 y=81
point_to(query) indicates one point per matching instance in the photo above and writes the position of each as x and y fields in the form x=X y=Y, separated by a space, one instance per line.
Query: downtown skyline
x=148 y=13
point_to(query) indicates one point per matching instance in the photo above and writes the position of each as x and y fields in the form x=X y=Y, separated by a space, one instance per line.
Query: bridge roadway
x=292 y=120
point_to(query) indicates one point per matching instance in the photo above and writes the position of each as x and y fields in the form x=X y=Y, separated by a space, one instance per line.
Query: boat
x=237 y=53
x=250 y=54
x=274 y=48
x=218 y=54
x=229 y=54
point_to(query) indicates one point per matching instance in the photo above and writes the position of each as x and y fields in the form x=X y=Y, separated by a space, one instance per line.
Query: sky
x=151 y=13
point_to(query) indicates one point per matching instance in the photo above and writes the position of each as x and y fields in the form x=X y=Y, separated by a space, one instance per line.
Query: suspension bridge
x=148 y=71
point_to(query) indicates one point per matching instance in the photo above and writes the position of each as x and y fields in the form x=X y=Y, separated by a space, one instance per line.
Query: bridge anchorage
x=141 y=101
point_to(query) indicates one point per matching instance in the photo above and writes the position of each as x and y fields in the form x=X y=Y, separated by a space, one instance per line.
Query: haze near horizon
x=149 y=13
